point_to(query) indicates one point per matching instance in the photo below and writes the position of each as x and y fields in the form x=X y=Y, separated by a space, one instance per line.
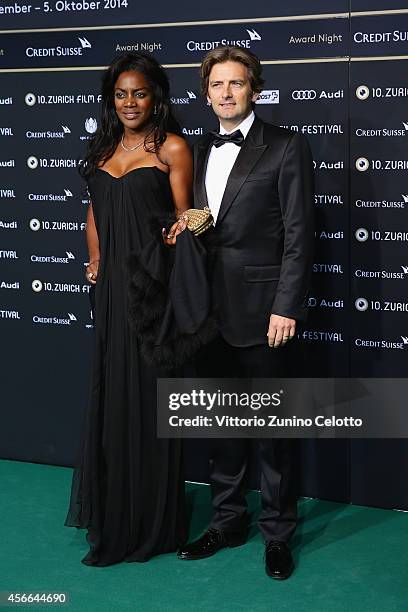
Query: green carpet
x=347 y=558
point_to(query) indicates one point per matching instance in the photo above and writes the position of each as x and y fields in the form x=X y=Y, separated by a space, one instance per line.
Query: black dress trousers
x=229 y=457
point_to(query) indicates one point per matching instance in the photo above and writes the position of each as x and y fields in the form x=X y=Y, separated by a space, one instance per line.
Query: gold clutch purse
x=198 y=219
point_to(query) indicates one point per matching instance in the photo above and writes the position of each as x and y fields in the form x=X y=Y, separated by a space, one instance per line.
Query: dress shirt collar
x=244 y=126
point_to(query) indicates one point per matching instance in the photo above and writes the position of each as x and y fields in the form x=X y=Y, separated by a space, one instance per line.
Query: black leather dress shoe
x=278 y=560
x=211 y=542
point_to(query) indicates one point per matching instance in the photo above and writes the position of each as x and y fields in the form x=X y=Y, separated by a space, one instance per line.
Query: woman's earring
x=155 y=110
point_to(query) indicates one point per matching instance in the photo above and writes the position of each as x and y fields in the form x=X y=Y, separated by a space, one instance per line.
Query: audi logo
x=304 y=94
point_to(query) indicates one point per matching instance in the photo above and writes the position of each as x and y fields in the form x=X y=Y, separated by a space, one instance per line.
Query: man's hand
x=281 y=329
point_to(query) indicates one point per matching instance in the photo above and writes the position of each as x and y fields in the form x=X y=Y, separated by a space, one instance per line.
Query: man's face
x=230 y=93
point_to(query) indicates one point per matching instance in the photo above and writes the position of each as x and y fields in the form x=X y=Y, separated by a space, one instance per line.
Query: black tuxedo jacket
x=261 y=247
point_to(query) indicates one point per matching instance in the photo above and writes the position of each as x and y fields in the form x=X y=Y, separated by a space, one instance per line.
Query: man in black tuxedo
x=257 y=180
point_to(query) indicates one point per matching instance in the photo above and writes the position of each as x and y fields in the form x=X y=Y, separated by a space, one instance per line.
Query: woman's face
x=134 y=102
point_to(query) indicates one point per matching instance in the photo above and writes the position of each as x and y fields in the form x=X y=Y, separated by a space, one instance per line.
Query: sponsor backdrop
x=338 y=77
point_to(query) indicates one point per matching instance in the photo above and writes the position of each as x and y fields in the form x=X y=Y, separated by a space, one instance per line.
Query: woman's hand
x=171 y=238
x=92 y=271
x=93 y=247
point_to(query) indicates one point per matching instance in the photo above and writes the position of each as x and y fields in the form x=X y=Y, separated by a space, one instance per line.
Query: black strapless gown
x=128 y=490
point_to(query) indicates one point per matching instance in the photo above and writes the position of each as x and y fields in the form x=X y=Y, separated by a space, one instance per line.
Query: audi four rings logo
x=304 y=94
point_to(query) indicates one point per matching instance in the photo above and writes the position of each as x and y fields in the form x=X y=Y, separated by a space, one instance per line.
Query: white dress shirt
x=219 y=166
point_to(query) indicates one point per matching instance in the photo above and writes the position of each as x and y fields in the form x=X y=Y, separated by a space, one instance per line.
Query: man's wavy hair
x=232 y=54
x=110 y=130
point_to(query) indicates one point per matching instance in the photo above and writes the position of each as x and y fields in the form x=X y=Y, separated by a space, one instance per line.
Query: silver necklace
x=130 y=148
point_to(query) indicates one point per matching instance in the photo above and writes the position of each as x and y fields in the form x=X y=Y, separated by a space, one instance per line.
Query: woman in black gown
x=128 y=490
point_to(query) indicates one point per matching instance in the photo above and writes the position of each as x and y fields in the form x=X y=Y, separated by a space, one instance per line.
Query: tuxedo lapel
x=250 y=152
x=203 y=153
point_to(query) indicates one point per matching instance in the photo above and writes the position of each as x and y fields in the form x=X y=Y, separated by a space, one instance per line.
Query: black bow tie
x=219 y=139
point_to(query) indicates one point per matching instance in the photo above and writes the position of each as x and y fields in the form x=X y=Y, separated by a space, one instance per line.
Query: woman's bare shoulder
x=175 y=146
